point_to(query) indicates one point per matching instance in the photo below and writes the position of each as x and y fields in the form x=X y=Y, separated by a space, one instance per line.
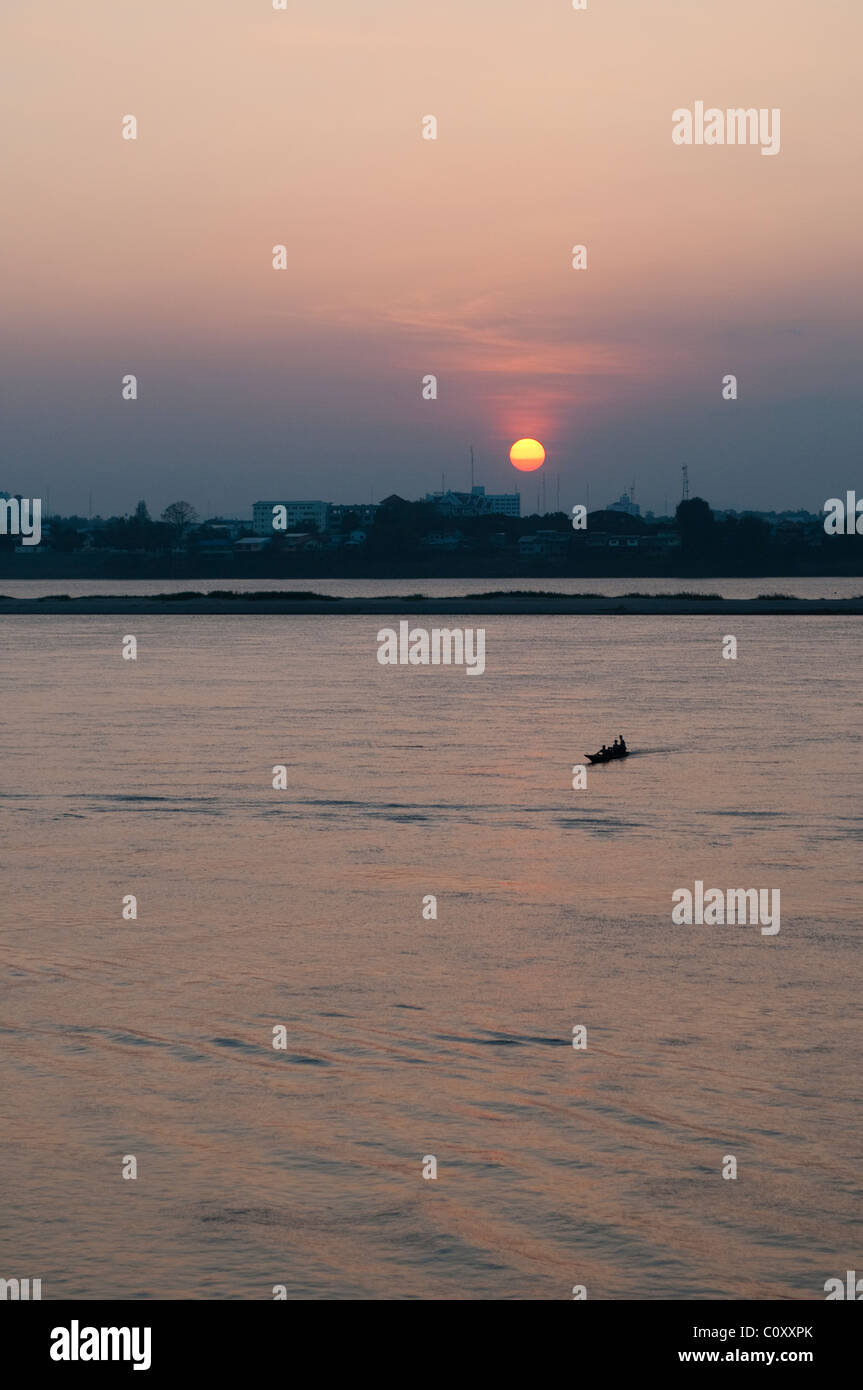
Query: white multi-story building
x=297 y=515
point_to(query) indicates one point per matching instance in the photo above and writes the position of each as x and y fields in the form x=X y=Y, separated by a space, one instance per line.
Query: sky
x=408 y=257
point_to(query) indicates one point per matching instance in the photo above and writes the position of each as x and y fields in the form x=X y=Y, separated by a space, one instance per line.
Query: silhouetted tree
x=180 y=516
x=64 y=538
x=697 y=527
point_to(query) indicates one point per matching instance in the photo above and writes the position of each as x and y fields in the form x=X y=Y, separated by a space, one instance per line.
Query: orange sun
x=526 y=455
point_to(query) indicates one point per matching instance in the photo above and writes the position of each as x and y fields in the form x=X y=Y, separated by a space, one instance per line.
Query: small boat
x=610 y=755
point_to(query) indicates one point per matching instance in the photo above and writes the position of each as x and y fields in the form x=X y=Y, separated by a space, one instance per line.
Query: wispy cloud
x=475 y=337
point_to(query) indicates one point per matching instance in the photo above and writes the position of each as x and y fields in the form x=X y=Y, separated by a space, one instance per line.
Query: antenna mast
x=471 y=468
x=685 y=472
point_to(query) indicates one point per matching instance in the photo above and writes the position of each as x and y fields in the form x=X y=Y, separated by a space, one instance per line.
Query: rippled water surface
x=409 y=1037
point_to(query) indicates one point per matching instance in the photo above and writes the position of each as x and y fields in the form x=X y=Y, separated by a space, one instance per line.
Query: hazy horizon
x=409 y=256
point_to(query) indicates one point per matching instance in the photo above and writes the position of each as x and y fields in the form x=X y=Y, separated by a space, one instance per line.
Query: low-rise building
x=444 y=540
x=297 y=540
x=664 y=540
x=546 y=545
x=613 y=540
x=362 y=512
x=297 y=514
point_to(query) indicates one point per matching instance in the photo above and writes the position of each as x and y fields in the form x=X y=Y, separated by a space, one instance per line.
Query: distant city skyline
x=321 y=510
x=231 y=498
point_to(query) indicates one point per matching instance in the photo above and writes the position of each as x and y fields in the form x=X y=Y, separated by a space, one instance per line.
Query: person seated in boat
x=615 y=747
x=603 y=751
x=621 y=746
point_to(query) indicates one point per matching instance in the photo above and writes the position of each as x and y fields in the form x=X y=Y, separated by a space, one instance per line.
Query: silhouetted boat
x=609 y=756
